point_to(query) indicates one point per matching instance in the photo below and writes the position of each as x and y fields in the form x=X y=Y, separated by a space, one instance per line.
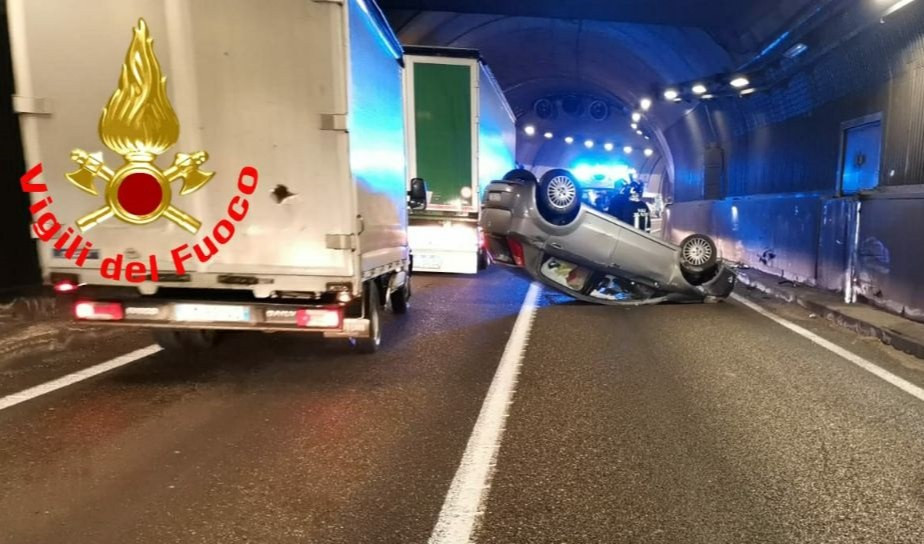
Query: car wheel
x=373 y=313
x=698 y=254
x=558 y=197
x=520 y=174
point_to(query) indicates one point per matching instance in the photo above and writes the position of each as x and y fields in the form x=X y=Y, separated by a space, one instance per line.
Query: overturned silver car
x=540 y=227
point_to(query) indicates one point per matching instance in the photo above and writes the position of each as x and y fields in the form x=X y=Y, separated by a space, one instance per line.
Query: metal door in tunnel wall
x=861 y=156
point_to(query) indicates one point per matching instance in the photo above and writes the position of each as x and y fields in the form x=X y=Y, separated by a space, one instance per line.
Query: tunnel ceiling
x=616 y=50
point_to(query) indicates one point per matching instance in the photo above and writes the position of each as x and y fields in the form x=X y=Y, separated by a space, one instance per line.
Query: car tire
x=520 y=174
x=558 y=197
x=400 y=298
x=373 y=312
x=698 y=254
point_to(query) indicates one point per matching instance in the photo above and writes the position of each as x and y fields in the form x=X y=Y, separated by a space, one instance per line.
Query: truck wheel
x=399 y=298
x=199 y=339
x=558 y=197
x=698 y=254
x=482 y=259
x=373 y=312
x=168 y=339
x=173 y=340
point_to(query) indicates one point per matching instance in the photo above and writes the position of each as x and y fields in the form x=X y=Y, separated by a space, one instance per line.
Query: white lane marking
x=472 y=481
x=79 y=376
x=872 y=368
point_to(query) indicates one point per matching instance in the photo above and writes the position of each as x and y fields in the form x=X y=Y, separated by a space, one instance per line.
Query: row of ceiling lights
x=740 y=83
x=530 y=130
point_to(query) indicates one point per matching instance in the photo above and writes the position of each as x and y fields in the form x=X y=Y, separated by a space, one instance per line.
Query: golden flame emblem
x=139 y=124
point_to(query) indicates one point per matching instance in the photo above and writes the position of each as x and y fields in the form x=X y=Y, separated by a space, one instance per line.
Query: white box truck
x=461 y=135
x=285 y=205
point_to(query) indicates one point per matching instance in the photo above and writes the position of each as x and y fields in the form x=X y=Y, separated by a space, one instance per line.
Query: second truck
x=461 y=135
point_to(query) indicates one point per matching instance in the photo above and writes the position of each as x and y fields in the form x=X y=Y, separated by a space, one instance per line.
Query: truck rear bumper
x=326 y=320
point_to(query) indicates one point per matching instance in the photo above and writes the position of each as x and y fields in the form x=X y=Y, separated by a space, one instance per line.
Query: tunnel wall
x=19 y=264
x=777 y=206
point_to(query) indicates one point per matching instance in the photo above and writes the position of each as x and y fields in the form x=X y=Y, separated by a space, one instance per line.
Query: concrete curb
x=820 y=303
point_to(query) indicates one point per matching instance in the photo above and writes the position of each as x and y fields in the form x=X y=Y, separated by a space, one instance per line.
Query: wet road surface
x=692 y=423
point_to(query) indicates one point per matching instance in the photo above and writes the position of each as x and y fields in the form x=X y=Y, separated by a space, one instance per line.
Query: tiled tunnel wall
x=778 y=208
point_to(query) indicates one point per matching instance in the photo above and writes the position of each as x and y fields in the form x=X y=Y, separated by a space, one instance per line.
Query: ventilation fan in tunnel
x=544 y=108
x=572 y=105
x=599 y=110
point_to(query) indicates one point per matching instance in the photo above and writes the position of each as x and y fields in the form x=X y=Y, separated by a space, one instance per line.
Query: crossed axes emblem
x=123 y=188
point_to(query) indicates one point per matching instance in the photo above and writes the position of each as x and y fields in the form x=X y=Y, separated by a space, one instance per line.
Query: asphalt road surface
x=668 y=424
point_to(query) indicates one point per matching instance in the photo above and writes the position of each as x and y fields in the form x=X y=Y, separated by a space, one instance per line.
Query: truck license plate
x=211 y=312
x=428 y=262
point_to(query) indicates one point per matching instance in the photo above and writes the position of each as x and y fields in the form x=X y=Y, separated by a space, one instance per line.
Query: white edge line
x=79 y=376
x=465 y=498
x=872 y=368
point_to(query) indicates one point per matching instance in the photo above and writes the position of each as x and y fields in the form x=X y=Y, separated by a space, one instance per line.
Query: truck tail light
x=99 y=311
x=516 y=251
x=319 y=318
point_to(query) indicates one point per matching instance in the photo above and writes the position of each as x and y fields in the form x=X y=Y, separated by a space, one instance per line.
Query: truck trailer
x=461 y=135
x=285 y=205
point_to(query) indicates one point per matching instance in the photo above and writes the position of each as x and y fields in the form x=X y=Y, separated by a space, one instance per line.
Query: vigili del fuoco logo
x=139 y=124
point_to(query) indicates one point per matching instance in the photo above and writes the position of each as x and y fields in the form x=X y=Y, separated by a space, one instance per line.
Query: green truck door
x=443 y=126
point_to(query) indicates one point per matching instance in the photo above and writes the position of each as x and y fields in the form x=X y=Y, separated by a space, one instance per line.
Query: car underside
x=540 y=227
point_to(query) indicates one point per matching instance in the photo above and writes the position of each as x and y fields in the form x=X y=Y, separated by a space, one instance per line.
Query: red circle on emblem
x=140 y=193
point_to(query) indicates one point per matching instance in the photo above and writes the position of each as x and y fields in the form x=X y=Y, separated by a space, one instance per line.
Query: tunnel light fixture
x=627 y=150
x=708 y=96
x=739 y=82
x=589 y=144
x=896 y=6
x=636 y=117
x=699 y=88
x=639 y=132
x=647 y=137
x=548 y=135
x=634 y=126
x=671 y=94
x=649 y=152
x=645 y=104
x=569 y=140
x=530 y=130
x=795 y=51
x=608 y=146
x=750 y=90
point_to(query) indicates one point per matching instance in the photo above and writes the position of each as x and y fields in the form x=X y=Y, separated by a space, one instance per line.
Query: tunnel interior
x=756 y=113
